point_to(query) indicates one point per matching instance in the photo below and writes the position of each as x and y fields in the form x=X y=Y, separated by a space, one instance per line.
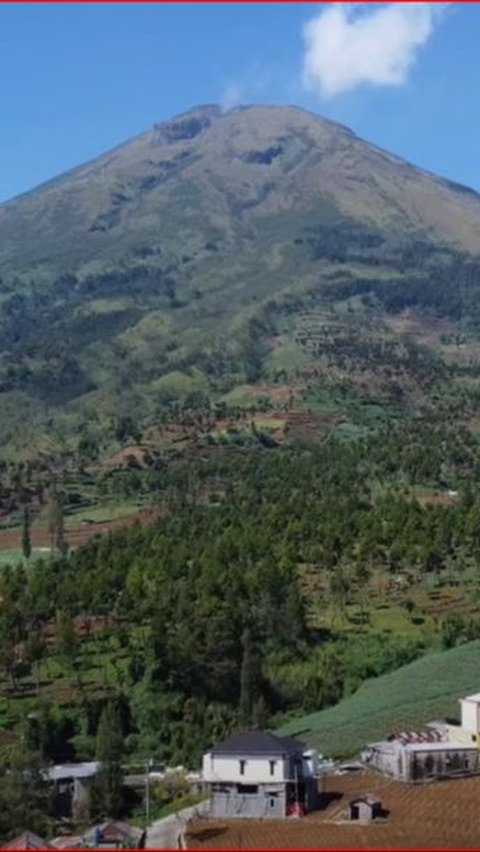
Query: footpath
x=167 y=833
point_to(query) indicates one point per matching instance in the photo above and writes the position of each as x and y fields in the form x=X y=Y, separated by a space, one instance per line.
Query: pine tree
x=34 y=652
x=109 y=741
x=24 y=799
x=66 y=638
x=107 y=792
x=250 y=678
x=55 y=522
x=26 y=543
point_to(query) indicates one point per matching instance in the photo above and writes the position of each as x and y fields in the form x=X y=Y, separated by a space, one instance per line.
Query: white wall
x=470 y=716
x=458 y=734
x=256 y=771
x=310 y=762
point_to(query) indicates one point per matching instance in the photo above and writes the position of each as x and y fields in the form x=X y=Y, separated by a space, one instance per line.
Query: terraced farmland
x=439 y=815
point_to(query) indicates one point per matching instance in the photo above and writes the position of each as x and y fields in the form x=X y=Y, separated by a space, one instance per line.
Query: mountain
x=261 y=253
x=233 y=171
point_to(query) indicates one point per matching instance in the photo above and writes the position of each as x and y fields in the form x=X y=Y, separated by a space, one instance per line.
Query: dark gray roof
x=259 y=742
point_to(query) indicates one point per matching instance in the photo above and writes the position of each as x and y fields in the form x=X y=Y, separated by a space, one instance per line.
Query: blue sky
x=76 y=80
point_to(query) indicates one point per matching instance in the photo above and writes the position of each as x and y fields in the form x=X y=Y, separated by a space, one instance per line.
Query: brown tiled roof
x=27 y=840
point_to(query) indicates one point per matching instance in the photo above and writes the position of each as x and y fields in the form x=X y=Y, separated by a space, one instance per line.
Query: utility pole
x=297 y=797
x=147 y=792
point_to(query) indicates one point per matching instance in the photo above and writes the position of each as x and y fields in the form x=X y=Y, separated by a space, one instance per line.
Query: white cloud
x=233 y=95
x=255 y=81
x=350 y=44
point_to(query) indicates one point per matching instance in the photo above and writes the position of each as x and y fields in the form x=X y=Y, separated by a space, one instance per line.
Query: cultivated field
x=441 y=814
x=11 y=539
x=428 y=688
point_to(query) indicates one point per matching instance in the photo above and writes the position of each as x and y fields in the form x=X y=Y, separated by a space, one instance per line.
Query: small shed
x=365 y=808
x=116 y=834
x=71 y=783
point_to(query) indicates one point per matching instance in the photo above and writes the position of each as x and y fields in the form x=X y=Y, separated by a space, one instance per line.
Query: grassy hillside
x=426 y=689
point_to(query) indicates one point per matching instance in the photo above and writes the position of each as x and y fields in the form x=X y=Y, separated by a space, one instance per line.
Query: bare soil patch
x=135 y=455
x=440 y=814
x=40 y=538
x=428 y=330
x=309 y=426
x=435 y=498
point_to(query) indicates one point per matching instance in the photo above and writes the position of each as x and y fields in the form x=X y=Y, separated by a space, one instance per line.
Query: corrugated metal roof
x=63 y=771
x=391 y=746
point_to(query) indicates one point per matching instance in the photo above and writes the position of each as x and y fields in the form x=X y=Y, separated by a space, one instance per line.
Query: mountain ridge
x=219 y=112
x=342 y=165
x=180 y=265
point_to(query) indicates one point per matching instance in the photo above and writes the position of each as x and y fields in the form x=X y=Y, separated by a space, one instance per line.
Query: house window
x=272 y=767
x=247 y=789
x=242 y=767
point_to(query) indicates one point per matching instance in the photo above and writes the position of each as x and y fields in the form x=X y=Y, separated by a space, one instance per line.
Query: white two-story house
x=258 y=774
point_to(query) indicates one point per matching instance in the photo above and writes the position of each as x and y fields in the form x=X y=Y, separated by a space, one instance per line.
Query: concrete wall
x=409 y=764
x=470 y=715
x=388 y=759
x=365 y=811
x=457 y=734
x=266 y=803
x=442 y=763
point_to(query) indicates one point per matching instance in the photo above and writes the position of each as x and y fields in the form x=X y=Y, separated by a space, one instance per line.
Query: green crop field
x=419 y=692
x=104 y=512
x=14 y=555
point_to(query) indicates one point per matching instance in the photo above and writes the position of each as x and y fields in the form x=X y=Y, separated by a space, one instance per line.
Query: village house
x=258 y=774
x=442 y=750
x=71 y=787
x=415 y=758
x=470 y=716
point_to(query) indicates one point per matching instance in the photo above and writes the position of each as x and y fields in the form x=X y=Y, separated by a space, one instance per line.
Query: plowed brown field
x=442 y=814
x=39 y=536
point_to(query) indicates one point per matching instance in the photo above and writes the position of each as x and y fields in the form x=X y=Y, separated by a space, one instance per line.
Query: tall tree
x=250 y=678
x=107 y=791
x=66 y=638
x=24 y=801
x=26 y=543
x=34 y=652
x=55 y=521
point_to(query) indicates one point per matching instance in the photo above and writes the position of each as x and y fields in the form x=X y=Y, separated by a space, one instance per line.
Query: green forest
x=276 y=582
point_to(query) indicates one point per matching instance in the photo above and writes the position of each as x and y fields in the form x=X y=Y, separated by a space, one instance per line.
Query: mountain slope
x=408 y=698
x=188 y=261
x=233 y=169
